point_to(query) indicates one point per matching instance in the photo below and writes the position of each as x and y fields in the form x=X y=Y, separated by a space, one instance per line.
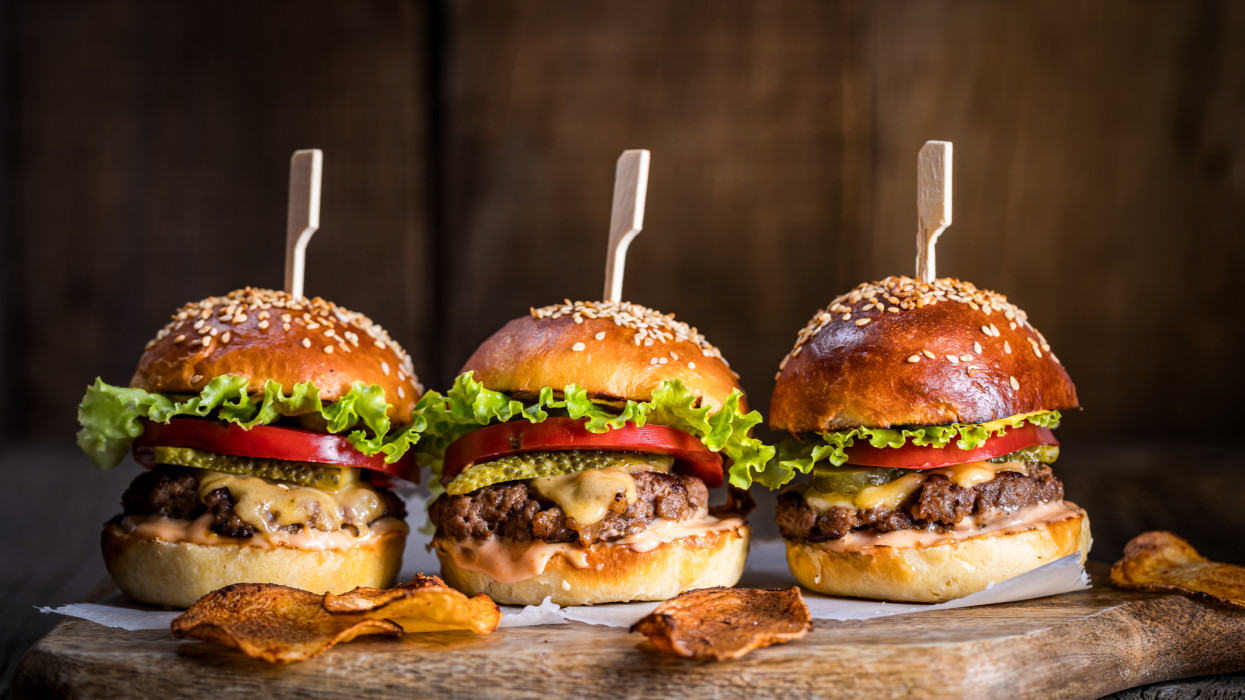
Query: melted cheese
x=588 y=495
x=970 y=474
x=890 y=494
x=272 y=507
x=893 y=493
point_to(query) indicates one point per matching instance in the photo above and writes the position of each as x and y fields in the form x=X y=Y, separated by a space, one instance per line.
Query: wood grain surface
x=1077 y=645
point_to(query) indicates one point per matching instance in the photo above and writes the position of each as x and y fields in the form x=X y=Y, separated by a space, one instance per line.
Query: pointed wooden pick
x=303 y=216
x=933 y=187
x=626 y=217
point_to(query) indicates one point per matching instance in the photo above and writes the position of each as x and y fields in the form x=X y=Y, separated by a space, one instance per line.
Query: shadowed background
x=469 y=154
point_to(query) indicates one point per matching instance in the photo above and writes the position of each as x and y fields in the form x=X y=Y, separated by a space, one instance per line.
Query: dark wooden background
x=469 y=153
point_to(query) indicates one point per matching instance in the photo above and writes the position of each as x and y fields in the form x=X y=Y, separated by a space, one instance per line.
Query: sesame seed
x=953 y=359
x=909 y=294
x=1007 y=347
x=928 y=354
x=691 y=365
x=966 y=357
x=263 y=325
x=914 y=358
x=1015 y=384
x=306 y=342
x=198 y=324
x=977 y=347
x=578 y=346
x=863 y=321
x=179 y=339
x=328 y=349
x=652 y=360
x=600 y=335
x=225 y=338
x=401 y=392
x=384 y=367
x=196 y=379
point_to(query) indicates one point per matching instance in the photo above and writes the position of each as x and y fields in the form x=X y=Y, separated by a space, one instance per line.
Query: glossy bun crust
x=615 y=351
x=900 y=352
x=263 y=334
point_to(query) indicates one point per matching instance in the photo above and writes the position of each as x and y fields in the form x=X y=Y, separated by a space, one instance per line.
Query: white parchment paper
x=766 y=568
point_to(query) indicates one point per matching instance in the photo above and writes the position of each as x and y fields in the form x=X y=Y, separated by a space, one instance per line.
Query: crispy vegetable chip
x=1161 y=561
x=275 y=623
x=425 y=604
x=726 y=623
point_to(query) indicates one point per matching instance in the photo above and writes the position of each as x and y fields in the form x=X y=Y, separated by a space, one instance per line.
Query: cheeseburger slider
x=923 y=412
x=267 y=424
x=579 y=445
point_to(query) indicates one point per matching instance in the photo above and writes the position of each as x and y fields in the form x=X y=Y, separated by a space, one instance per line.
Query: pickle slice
x=1046 y=454
x=324 y=477
x=853 y=479
x=532 y=465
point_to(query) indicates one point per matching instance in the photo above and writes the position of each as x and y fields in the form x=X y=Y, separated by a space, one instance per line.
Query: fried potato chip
x=725 y=623
x=425 y=604
x=1161 y=561
x=275 y=623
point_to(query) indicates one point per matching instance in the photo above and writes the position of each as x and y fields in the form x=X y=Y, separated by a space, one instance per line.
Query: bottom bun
x=615 y=573
x=931 y=574
x=176 y=574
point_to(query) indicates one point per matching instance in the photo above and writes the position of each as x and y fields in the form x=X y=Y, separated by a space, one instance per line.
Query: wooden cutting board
x=1076 y=645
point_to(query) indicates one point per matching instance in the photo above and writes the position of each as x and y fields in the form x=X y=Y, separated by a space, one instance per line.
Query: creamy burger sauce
x=198 y=532
x=511 y=562
x=1002 y=522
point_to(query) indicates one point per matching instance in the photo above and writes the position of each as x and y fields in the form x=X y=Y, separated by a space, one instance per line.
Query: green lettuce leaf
x=468 y=406
x=796 y=456
x=110 y=415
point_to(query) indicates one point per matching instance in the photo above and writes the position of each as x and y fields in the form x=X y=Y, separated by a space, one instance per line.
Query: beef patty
x=938 y=504
x=517 y=512
x=173 y=492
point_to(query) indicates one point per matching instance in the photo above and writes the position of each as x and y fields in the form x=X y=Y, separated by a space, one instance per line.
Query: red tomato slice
x=914 y=457
x=557 y=434
x=266 y=441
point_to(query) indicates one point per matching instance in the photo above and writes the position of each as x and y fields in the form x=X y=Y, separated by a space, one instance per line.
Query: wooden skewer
x=626 y=217
x=303 y=216
x=933 y=187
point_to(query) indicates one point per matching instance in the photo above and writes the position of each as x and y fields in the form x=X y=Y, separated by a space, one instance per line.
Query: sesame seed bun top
x=615 y=350
x=263 y=334
x=901 y=352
